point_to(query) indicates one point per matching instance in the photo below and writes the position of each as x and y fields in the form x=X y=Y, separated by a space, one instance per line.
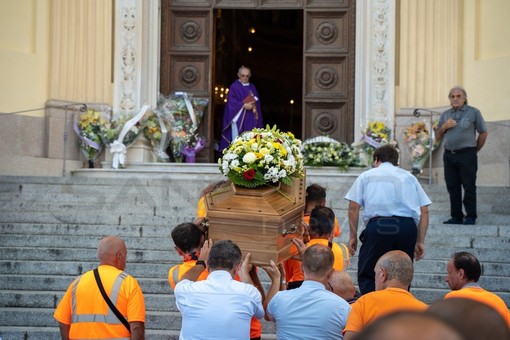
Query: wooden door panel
x=329 y=71
x=326 y=78
x=327 y=119
x=190 y=73
x=327 y=32
x=190 y=30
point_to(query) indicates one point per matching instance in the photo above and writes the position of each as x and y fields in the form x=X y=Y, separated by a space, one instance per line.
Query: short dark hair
x=469 y=263
x=322 y=220
x=318 y=260
x=386 y=153
x=187 y=236
x=224 y=254
x=315 y=193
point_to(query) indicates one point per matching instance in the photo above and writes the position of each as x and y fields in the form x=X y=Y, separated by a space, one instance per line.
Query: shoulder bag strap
x=109 y=302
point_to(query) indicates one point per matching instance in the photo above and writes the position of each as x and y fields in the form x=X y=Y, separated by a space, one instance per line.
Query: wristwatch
x=201 y=262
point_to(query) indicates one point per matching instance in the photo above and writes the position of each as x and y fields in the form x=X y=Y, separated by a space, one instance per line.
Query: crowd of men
x=312 y=296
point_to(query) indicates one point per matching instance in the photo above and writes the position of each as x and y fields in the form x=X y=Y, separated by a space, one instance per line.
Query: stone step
x=58 y=254
x=43 y=317
x=74 y=205
x=60 y=283
x=52 y=333
x=65 y=229
x=73 y=260
x=44 y=299
x=51 y=241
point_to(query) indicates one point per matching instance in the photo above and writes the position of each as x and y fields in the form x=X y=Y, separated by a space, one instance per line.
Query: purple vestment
x=247 y=120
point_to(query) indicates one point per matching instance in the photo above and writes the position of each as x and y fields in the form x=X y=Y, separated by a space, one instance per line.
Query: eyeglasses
x=245 y=75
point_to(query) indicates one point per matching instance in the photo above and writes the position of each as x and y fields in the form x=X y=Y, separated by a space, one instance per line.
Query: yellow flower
x=264 y=151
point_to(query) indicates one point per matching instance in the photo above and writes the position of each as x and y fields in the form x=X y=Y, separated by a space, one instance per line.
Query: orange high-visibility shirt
x=89 y=305
x=481 y=295
x=176 y=272
x=373 y=305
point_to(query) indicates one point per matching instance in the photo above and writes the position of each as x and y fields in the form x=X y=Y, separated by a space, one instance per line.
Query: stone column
x=375 y=63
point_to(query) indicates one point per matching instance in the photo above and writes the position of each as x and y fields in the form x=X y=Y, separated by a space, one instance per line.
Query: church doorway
x=301 y=59
x=270 y=43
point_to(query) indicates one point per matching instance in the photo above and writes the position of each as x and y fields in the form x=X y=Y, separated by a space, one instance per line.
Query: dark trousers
x=381 y=235
x=460 y=172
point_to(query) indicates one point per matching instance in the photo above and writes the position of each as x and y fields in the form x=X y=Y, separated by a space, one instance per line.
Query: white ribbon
x=190 y=108
x=164 y=133
x=117 y=148
x=118 y=151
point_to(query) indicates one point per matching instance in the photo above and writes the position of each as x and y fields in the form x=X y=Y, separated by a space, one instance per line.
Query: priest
x=242 y=111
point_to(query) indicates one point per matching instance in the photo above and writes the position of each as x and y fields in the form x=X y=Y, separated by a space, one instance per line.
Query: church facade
x=362 y=61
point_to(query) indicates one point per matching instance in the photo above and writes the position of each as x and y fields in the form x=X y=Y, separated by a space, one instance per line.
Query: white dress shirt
x=388 y=191
x=217 y=308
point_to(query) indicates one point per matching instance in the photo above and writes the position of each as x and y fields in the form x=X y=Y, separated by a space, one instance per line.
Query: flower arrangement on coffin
x=118 y=134
x=325 y=151
x=87 y=126
x=184 y=114
x=374 y=136
x=155 y=129
x=419 y=141
x=262 y=157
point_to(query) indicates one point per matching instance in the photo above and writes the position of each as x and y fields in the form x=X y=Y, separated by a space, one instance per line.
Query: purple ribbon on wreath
x=190 y=152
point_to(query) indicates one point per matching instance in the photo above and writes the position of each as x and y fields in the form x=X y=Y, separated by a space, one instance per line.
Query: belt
x=453 y=152
x=388 y=217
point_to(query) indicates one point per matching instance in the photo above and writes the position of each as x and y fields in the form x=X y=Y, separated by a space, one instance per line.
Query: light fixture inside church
x=250 y=49
x=252 y=30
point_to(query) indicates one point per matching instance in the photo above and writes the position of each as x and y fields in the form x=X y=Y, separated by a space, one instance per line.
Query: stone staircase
x=50 y=228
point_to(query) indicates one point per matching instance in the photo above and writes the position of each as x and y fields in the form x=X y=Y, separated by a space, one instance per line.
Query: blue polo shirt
x=308 y=312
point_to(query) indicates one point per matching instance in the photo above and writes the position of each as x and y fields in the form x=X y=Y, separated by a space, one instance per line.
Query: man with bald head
x=83 y=313
x=393 y=276
x=341 y=284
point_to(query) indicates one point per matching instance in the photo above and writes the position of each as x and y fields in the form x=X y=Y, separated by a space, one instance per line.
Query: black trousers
x=381 y=235
x=460 y=172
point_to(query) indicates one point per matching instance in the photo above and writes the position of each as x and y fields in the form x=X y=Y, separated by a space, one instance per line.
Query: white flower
x=225 y=168
x=254 y=147
x=249 y=158
x=268 y=158
x=234 y=163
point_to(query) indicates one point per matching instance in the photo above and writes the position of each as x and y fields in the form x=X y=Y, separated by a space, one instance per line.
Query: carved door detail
x=329 y=72
x=187 y=54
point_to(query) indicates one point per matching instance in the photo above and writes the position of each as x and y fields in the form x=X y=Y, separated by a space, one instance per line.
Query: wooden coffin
x=261 y=221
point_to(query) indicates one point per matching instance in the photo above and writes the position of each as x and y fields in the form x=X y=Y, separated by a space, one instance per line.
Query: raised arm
x=274 y=274
x=195 y=272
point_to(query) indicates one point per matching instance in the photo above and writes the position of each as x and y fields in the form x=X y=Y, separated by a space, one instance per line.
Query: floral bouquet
x=155 y=129
x=418 y=139
x=376 y=135
x=184 y=114
x=194 y=143
x=325 y=151
x=120 y=133
x=262 y=157
x=87 y=126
